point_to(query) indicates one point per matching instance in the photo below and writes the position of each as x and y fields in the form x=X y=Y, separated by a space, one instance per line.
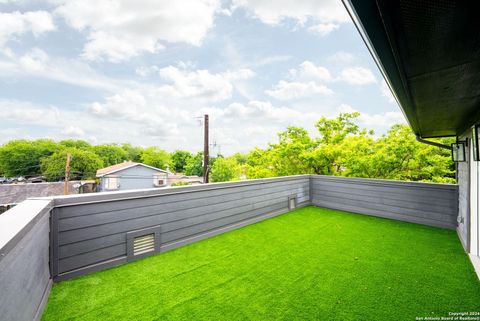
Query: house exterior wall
x=469 y=213
x=475 y=209
x=463 y=181
x=136 y=177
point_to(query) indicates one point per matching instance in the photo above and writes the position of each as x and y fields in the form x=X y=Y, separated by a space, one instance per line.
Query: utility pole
x=67 y=174
x=205 y=149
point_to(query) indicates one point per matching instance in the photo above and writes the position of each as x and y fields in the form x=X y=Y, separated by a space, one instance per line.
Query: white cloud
x=255 y=110
x=60 y=123
x=73 y=131
x=386 y=92
x=126 y=105
x=275 y=12
x=119 y=30
x=357 y=76
x=272 y=60
x=145 y=71
x=33 y=61
x=309 y=71
x=140 y=109
x=14 y=24
x=200 y=83
x=386 y=119
x=294 y=90
x=323 y=29
x=261 y=110
x=37 y=63
x=342 y=58
x=26 y=112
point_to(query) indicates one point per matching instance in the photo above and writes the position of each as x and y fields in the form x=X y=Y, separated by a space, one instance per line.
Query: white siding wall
x=468 y=183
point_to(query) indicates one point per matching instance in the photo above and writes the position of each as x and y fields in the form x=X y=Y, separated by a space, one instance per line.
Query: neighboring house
x=131 y=175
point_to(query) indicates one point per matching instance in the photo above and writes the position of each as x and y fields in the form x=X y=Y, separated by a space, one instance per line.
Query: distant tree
x=83 y=165
x=340 y=147
x=398 y=155
x=134 y=152
x=75 y=143
x=156 y=157
x=111 y=154
x=343 y=148
x=287 y=156
x=194 y=165
x=240 y=158
x=333 y=131
x=180 y=159
x=259 y=164
x=23 y=157
x=323 y=159
x=224 y=169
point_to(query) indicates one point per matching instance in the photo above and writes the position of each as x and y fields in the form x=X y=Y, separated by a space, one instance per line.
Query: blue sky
x=143 y=71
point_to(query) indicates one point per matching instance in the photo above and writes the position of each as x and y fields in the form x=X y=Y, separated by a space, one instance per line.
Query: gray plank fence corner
x=422 y=203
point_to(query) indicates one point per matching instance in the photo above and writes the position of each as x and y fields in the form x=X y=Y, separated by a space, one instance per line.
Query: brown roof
x=116 y=167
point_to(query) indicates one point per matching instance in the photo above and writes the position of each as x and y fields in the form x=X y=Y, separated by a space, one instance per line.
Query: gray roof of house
x=16 y=193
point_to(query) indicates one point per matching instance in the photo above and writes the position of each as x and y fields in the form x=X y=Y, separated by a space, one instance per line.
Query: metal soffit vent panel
x=429 y=51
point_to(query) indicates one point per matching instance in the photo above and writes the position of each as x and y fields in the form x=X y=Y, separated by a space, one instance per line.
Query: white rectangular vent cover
x=143 y=244
x=292 y=203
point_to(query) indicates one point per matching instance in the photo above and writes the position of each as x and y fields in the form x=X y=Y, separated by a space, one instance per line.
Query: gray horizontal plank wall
x=90 y=230
x=24 y=260
x=422 y=203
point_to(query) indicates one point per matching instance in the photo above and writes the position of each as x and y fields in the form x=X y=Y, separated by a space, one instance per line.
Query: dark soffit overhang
x=429 y=55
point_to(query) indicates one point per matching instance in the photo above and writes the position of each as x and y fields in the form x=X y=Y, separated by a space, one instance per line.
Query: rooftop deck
x=311 y=263
x=304 y=264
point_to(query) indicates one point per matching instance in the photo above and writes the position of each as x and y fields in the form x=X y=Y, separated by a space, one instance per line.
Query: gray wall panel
x=176 y=218
x=416 y=191
x=413 y=196
x=113 y=201
x=101 y=229
x=423 y=203
x=24 y=271
x=395 y=206
x=403 y=203
x=95 y=233
x=131 y=211
x=99 y=255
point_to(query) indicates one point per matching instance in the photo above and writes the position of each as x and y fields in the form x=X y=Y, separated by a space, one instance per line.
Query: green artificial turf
x=309 y=264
